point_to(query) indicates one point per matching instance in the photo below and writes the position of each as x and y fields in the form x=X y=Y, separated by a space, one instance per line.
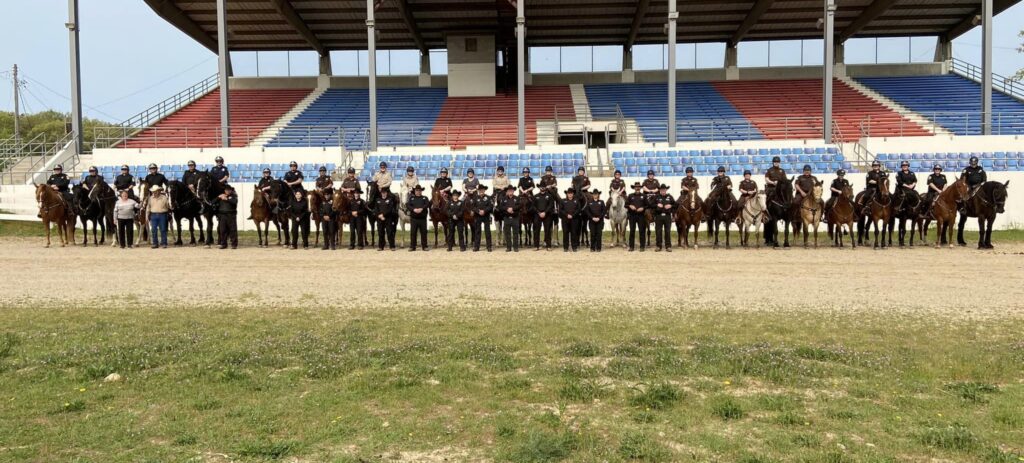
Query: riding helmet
x=218 y=159
x=650 y=172
x=266 y=170
x=841 y=172
x=152 y=166
x=444 y=170
x=58 y=167
x=383 y=164
x=876 y=164
x=323 y=169
x=191 y=163
x=456 y=193
x=937 y=167
x=410 y=169
x=125 y=167
x=92 y=169
x=776 y=159
x=526 y=170
x=747 y=172
x=501 y=169
x=617 y=171
x=581 y=169
x=721 y=169
x=905 y=164
x=807 y=167
x=974 y=159
x=548 y=169
x=471 y=171
x=351 y=170
x=689 y=170
x=293 y=164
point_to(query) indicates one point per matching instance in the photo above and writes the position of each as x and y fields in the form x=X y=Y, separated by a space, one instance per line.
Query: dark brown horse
x=439 y=213
x=944 y=211
x=342 y=204
x=906 y=206
x=842 y=213
x=690 y=213
x=90 y=208
x=987 y=202
x=721 y=207
x=260 y=213
x=316 y=199
x=54 y=209
x=877 y=212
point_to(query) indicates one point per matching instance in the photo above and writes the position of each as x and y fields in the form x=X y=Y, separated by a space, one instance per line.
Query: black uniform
x=975 y=176
x=91 y=180
x=939 y=180
x=292 y=176
x=838 y=184
x=525 y=183
x=61 y=181
x=871 y=189
x=544 y=203
x=219 y=174
x=442 y=183
x=156 y=179
x=456 y=209
x=329 y=222
x=418 y=220
x=227 y=220
x=189 y=177
x=663 y=219
x=904 y=179
x=569 y=212
x=357 y=223
x=595 y=209
x=482 y=207
x=387 y=206
x=637 y=219
x=300 y=222
x=124 y=182
x=510 y=210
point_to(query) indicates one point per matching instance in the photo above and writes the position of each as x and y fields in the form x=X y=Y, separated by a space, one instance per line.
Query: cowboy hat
x=156 y=188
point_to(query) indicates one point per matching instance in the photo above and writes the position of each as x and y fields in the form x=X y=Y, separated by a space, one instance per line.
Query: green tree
x=53 y=124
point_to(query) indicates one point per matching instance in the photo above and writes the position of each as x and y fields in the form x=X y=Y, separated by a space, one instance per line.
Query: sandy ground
x=958 y=282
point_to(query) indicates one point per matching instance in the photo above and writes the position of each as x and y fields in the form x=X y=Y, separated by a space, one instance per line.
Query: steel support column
x=223 y=58
x=76 y=74
x=828 y=66
x=371 y=58
x=986 y=67
x=521 y=73
x=673 y=15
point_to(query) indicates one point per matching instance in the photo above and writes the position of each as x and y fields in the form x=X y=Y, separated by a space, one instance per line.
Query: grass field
x=519 y=385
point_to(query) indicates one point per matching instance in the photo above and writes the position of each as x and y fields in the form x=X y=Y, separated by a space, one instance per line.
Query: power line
x=167 y=79
x=67 y=98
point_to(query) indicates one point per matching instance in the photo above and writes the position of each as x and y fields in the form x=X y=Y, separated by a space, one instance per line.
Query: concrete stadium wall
x=944 y=144
x=269 y=83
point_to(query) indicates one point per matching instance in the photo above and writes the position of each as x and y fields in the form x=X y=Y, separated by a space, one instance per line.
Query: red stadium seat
x=492 y=120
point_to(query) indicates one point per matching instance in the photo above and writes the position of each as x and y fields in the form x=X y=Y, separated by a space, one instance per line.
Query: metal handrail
x=158 y=111
x=1008 y=119
x=1008 y=85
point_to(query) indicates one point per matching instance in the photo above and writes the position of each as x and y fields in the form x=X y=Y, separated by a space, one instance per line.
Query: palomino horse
x=906 y=206
x=53 y=208
x=722 y=209
x=618 y=217
x=89 y=208
x=944 y=211
x=779 y=204
x=689 y=213
x=438 y=213
x=811 y=209
x=877 y=212
x=842 y=213
x=752 y=215
x=403 y=212
x=185 y=205
x=260 y=213
x=987 y=202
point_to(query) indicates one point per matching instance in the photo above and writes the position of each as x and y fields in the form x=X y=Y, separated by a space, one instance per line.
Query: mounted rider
x=324 y=183
x=581 y=182
x=92 y=179
x=720 y=180
x=804 y=185
x=773 y=176
x=748 y=188
x=906 y=180
x=975 y=176
x=873 y=180
x=689 y=184
x=382 y=177
x=293 y=178
x=126 y=182
x=548 y=182
x=443 y=184
x=526 y=184
x=59 y=182
x=936 y=183
x=189 y=176
x=410 y=181
x=838 y=185
x=616 y=187
x=350 y=184
x=264 y=186
x=650 y=184
x=155 y=178
x=219 y=173
x=500 y=180
x=471 y=184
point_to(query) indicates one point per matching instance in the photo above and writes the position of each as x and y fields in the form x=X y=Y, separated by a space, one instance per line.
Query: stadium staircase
x=467 y=121
x=918 y=119
x=198 y=124
x=788 y=109
x=275 y=128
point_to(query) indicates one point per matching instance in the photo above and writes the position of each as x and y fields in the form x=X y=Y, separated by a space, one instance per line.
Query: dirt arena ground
x=960 y=282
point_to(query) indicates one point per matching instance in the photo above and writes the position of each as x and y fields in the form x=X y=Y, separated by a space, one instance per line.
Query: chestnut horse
x=53 y=208
x=689 y=213
x=877 y=212
x=944 y=211
x=842 y=213
x=260 y=213
x=811 y=209
x=342 y=204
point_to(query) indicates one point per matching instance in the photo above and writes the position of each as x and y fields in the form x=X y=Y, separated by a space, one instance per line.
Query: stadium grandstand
x=489 y=109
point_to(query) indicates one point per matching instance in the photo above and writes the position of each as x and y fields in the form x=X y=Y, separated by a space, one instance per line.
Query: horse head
x=999 y=195
x=816 y=191
x=883 y=187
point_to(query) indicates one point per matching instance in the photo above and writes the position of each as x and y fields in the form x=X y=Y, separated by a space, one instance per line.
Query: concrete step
x=267 y=135
x=580 y=104
x=906 y=112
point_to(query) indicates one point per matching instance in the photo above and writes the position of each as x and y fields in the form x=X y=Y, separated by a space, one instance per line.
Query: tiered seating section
x=197 y=125
x=671 y=163
x=702 y=113
x=341 y=117
x=952 y=101
x=993 y=161
x=791 y=109
x=239 y=172
x=483 y=165
x=492 y=120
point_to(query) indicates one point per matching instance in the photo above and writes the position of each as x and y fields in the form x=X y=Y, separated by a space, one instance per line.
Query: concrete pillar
x=424 y=80
x=839 y=57
x=986 y=67
x=628 y=76
x=828 y=66
x=521 y=71
x=325 y=64
x=672 y=16
x=371 y=51
x=528 y=73
x=224 y=69
x=944 y=53
x=732 y=70
x=76 y=75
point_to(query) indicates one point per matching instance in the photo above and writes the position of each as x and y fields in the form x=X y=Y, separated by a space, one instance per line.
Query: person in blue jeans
x=159 y=209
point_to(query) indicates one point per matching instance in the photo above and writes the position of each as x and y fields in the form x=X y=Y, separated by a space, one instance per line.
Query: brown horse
x=811 y=209
x=944 y=211
x=53 y=208
x=342 y=204
x=877 y=212
x=260 y=213
x=724 y=208
x=439 y=213
x=842 y=213
x=689 y=213
x=988 y=201
x=316 y=199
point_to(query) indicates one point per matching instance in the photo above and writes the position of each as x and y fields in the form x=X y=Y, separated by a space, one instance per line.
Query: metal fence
x=1008 y=85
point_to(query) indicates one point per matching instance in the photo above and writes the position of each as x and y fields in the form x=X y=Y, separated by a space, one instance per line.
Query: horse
x=372 y=195
x=723 y=208
x=527 y=214
x=403 y=211
x=260 y=213
x=207 y=190
x=281 y=196
x=811 y=209
x=906 y=205
x=584 y=198
x=987 y=202
x=142 y=217
x=53 y=208
x=342 y=204
x=752 y=214
x=316 y=199
x=689 y=213
x=438 y=213
x=107 y=197
x=779 y=204
x=944 y=211
x=619 y=218
x=842 y=213
x=877 y=212
x=185 y=205
x=89 y=208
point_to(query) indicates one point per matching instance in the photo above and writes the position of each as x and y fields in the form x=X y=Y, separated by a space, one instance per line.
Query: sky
x=132 y=59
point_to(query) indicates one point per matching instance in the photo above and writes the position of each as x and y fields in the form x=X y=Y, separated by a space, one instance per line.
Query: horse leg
x=727 y=224
x=988 y=232
x=981 y=232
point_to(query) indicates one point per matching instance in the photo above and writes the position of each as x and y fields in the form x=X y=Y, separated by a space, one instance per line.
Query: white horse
x=403 y=213
x=617 y=216
x=753 y=213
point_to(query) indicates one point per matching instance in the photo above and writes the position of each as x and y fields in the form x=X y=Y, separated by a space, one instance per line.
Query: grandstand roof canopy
x=325 y=25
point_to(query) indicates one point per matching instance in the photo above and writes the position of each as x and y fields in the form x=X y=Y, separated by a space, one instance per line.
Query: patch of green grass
x=268 y=449
x=727 y=408
x=658 y=396
x=638 y=446
x=951 y=437
x=582 y=349
x=972 y=391
x=539 y=446
x=582 y=390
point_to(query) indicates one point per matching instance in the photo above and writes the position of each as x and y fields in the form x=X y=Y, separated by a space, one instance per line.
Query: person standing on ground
x=569 y=212
x=419 y=207
x=124 y=210
x=595 y=211
x=226 y=206
x=159 y=208
x=300 y=213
